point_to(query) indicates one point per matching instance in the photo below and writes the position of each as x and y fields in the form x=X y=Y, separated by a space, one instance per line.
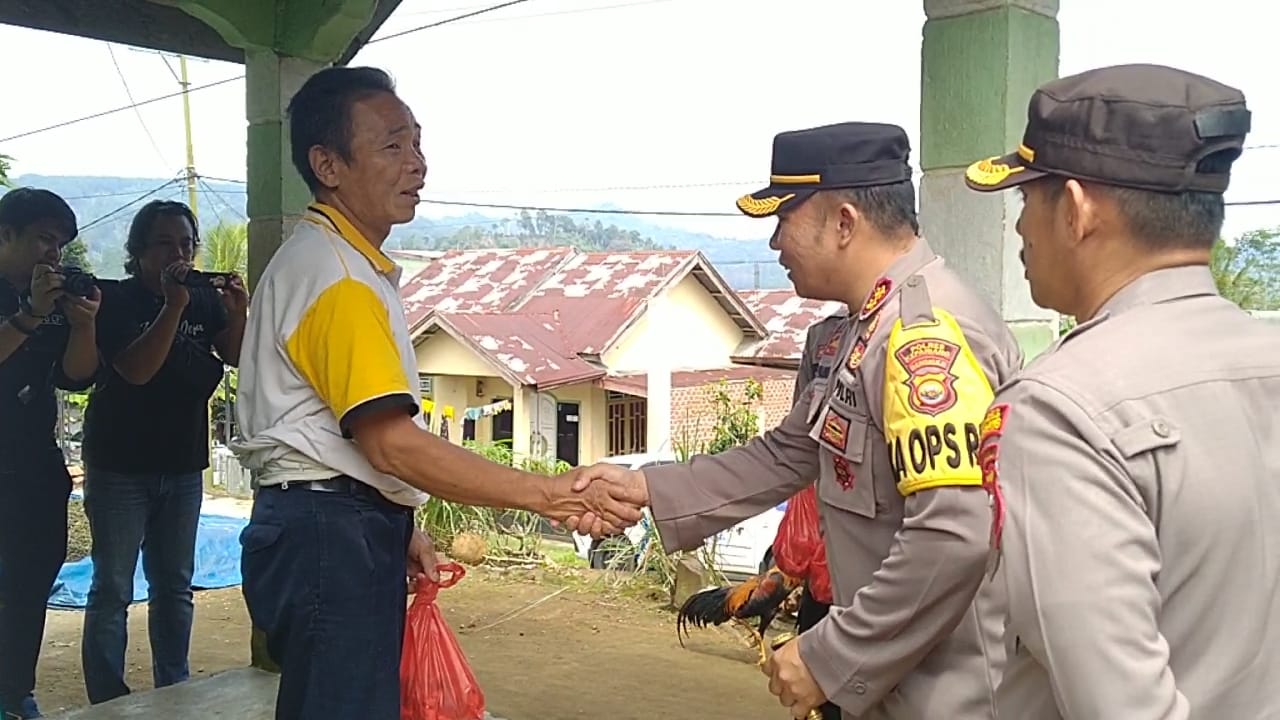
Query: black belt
x=339 y=484
x=344 y=484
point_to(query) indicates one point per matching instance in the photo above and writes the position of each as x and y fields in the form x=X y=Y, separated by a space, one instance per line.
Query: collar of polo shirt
x=354 y=237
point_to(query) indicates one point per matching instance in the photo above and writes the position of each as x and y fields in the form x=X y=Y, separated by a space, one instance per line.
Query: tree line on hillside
x=540 y=229
x=1247 y=270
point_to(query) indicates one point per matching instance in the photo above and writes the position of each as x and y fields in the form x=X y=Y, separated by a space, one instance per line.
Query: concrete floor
x=244 y=694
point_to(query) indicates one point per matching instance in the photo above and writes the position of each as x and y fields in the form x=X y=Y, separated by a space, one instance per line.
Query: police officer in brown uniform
x=1138 y=459
x=892 y=436
x=819 y=357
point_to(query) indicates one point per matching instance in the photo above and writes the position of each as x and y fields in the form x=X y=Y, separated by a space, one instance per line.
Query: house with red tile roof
x=551 y=348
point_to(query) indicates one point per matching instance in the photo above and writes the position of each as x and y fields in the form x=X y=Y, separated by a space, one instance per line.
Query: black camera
x=201 y=278
x=78 y=282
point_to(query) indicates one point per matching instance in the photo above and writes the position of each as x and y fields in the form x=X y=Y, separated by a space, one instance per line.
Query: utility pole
x=186 y=118
x=185 y=83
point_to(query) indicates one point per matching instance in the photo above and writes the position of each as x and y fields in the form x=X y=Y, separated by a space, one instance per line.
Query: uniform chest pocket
x=817 y=399
x=844 y=479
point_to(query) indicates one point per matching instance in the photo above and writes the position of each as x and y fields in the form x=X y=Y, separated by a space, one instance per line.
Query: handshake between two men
x=603 y=499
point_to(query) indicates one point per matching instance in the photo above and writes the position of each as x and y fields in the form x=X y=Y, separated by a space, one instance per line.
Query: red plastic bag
x=798 y=549
x=436 y=682
x=820 y=577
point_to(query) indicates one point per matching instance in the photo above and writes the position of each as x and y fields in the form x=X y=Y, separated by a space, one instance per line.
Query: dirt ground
x=544 y=647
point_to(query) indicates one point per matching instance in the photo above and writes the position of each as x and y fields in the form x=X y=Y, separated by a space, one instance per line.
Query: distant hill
x=105 y=207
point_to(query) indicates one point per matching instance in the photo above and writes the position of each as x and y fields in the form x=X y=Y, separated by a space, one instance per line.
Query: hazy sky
x=645 y=104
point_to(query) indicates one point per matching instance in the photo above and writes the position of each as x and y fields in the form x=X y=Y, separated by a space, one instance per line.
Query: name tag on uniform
x=845 y=393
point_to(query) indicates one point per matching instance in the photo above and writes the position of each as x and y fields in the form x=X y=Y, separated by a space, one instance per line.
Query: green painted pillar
x=277 y=194
x=285 y=42
x=980 y=62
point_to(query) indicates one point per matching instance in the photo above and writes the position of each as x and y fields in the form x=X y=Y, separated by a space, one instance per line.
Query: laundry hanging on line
x=475 y=413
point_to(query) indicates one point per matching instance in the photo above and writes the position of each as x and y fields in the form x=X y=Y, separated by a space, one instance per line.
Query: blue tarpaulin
x=217 y=565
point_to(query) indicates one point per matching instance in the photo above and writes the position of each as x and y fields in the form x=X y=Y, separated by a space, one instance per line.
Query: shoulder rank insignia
x=871 y=327
x=877 y=297
x=856 y=355
x=832 y=346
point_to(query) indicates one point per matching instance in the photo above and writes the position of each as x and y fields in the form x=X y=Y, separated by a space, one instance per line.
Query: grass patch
x=79 y=541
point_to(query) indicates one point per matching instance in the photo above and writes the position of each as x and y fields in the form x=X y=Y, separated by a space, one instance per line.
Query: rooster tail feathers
x=707 y=607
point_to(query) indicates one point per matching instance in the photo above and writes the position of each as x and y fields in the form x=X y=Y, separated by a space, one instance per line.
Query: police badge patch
x=928 y=362
x=992 y=428
x=992 y=425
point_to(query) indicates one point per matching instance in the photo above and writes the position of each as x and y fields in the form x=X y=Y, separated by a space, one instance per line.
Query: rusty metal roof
x=471 y=281
x=787 y=317
x=600 y=295
x=526 y=349
x=543 y=314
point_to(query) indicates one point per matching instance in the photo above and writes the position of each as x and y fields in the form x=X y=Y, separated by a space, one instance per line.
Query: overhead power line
x=129 y=94
x=678 y=213
x=1245 y=203
x=549 y=13
x=101 y=218
x=446 y=21
x=593 y=211
x=224 y=81
x=122 y=108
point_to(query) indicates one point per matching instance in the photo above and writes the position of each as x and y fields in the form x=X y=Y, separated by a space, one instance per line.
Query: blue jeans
x=324 y=578
x=33 y=545
x=159 y=514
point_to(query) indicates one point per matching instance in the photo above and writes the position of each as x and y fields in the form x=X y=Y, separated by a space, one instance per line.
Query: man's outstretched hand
x=609 y=499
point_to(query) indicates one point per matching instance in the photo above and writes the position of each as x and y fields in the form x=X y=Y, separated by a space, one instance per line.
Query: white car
x=740 y=551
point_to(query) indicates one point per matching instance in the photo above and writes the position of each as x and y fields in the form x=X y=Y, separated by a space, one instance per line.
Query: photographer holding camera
x=146 y=441
x=46 y=342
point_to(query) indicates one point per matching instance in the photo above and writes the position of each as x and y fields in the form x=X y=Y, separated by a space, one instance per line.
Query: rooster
x=763 y=596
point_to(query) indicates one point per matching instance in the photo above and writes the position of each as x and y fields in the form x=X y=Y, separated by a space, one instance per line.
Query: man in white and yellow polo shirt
x=328 y=412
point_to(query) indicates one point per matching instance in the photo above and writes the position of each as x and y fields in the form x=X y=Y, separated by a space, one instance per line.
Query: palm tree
x=6 y=164
x=226 y=248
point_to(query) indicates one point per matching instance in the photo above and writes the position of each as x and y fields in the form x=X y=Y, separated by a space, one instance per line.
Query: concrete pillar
x=657 y=438
x=980 y=62
x=277 y=194
x=524 y=403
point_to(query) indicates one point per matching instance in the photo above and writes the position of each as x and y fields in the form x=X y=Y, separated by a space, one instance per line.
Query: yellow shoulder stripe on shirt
x=935 y=396
x=345 y=349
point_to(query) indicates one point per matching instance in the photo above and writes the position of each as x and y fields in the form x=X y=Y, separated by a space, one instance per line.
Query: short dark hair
x=1169 y=221
x=136 y=244
x=891 y=209
x=24 y=206
x=320 y=113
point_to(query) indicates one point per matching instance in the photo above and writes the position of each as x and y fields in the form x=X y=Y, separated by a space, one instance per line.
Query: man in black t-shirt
x=146 y=442
x=46 y=342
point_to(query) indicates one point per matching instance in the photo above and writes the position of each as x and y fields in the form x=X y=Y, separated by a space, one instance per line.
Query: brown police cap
x=844 y=155
x=1138 y=126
